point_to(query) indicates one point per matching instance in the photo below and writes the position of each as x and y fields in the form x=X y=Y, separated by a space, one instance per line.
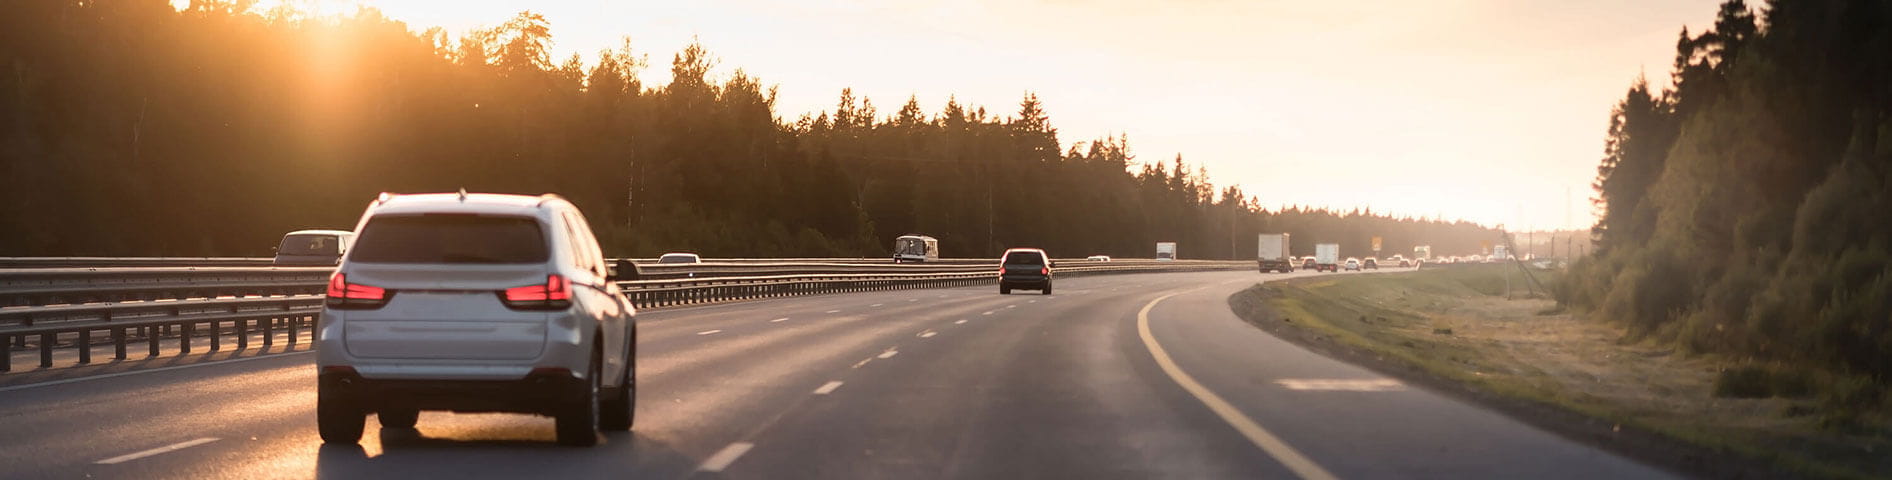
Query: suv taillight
x=1046 y=271
x=344 y=295
x=554 y=294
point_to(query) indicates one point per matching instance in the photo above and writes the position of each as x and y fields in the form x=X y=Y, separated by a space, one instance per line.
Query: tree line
x=1744 y=206
x=135 y=128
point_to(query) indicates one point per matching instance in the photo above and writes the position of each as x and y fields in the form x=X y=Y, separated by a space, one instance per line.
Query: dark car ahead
x=1025 y=269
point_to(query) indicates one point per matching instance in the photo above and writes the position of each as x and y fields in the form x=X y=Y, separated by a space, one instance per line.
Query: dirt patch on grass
x=1562 y=372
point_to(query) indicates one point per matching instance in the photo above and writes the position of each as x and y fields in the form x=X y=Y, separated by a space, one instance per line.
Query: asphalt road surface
x=1122 y=376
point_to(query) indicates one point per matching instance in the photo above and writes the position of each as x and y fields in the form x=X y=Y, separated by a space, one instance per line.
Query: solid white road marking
x=928 y=333
x=889 y=354
x=726 y=456
x=783 y=319
x=708 y=332
x=1342 y=384
x=960 y=322
x=1267 y=442
x=828 y=388
x=153 y=370
x=155 y=451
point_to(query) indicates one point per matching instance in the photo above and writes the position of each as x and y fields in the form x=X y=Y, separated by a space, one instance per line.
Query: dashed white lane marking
x=1342 y=384
x=1011 y=306
x=888 y=354
x=726 y=456
x=1267 y=442
x=987 y=312
x=863 y=362
x=828 y=388
x=834 y=311
x=913 y=299
x=876 y=305
x=1031 y=301
x=960 y=322
x=709 y=332
x=156 y=451
x=928 y=334
x=778 y=320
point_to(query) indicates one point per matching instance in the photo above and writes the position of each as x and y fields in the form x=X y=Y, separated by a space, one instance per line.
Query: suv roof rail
x=384 y=197
x=549 y=196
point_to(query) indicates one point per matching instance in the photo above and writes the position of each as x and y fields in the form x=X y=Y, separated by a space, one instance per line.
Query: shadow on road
x=408 y=454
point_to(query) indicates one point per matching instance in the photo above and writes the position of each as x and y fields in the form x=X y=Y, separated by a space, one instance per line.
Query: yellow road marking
x=1267 y=442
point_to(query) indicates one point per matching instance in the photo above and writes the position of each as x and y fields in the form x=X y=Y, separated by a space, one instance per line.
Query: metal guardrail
x=296 y=302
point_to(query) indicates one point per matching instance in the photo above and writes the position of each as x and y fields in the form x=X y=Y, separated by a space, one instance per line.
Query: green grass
x=1453 y=325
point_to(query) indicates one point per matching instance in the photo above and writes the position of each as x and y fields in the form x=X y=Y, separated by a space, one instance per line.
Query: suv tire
x=339 y=421
x=1005 y=290
x=577 y=421
x=619 y=409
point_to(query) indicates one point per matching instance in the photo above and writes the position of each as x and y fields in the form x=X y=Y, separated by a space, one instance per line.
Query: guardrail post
x=295 y=325
x=46 y=341
x=85 y=346
x=243 y=333
x=184 y=337
x=216 y=337
x=118 y=343
x=6 y=353
x=151 y=337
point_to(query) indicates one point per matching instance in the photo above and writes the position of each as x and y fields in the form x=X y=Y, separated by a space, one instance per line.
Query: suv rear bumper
x=1027 y=282
x=543 y=392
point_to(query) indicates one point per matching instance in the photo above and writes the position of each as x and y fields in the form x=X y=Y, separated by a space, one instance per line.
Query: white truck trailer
x=1327 y=257
x=1271 y=253
x=1165 y=250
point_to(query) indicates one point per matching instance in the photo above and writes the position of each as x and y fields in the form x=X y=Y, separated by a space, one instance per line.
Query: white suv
x=475 y=303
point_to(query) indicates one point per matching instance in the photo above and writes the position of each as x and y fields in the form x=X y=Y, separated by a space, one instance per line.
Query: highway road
x=1119 y=376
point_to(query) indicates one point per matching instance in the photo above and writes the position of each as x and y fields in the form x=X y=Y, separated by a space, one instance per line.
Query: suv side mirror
x=623 y=271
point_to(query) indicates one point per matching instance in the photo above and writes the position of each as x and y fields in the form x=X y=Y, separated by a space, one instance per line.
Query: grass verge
x=1452 y=329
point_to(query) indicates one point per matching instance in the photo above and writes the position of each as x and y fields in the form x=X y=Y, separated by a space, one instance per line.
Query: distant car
x=475 y=303
x=1098 y=258
x=1025 y=269
x=1399 y=260
x=1308 y=263
x=1370 y=262
x=679 y=258
x=1352 y=264
x=313 y=247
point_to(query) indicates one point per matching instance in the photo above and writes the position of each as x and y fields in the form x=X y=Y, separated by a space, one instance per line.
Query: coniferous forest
x=1744 y=207
x=134 y=128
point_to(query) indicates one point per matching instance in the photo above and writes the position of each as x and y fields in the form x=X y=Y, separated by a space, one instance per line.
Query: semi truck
x=1327 y=257
x=1422 y=253
x=1271 y=253
x=1165 y=250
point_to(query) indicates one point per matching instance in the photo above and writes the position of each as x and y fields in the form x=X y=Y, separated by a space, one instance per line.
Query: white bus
x=915 y=248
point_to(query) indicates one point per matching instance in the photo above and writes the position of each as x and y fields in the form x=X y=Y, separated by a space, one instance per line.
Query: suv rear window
x=450 y=239
x=315 y=244
x=1024 y=258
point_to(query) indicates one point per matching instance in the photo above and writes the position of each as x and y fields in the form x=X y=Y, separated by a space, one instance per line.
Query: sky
x=1491 y=111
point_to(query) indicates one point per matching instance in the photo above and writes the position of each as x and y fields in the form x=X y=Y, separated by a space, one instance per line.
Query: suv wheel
x=620 y=405
x=1004 y=290
x=398 y=418
x=577 y=423
x=339 y=421
x=1047 y=288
